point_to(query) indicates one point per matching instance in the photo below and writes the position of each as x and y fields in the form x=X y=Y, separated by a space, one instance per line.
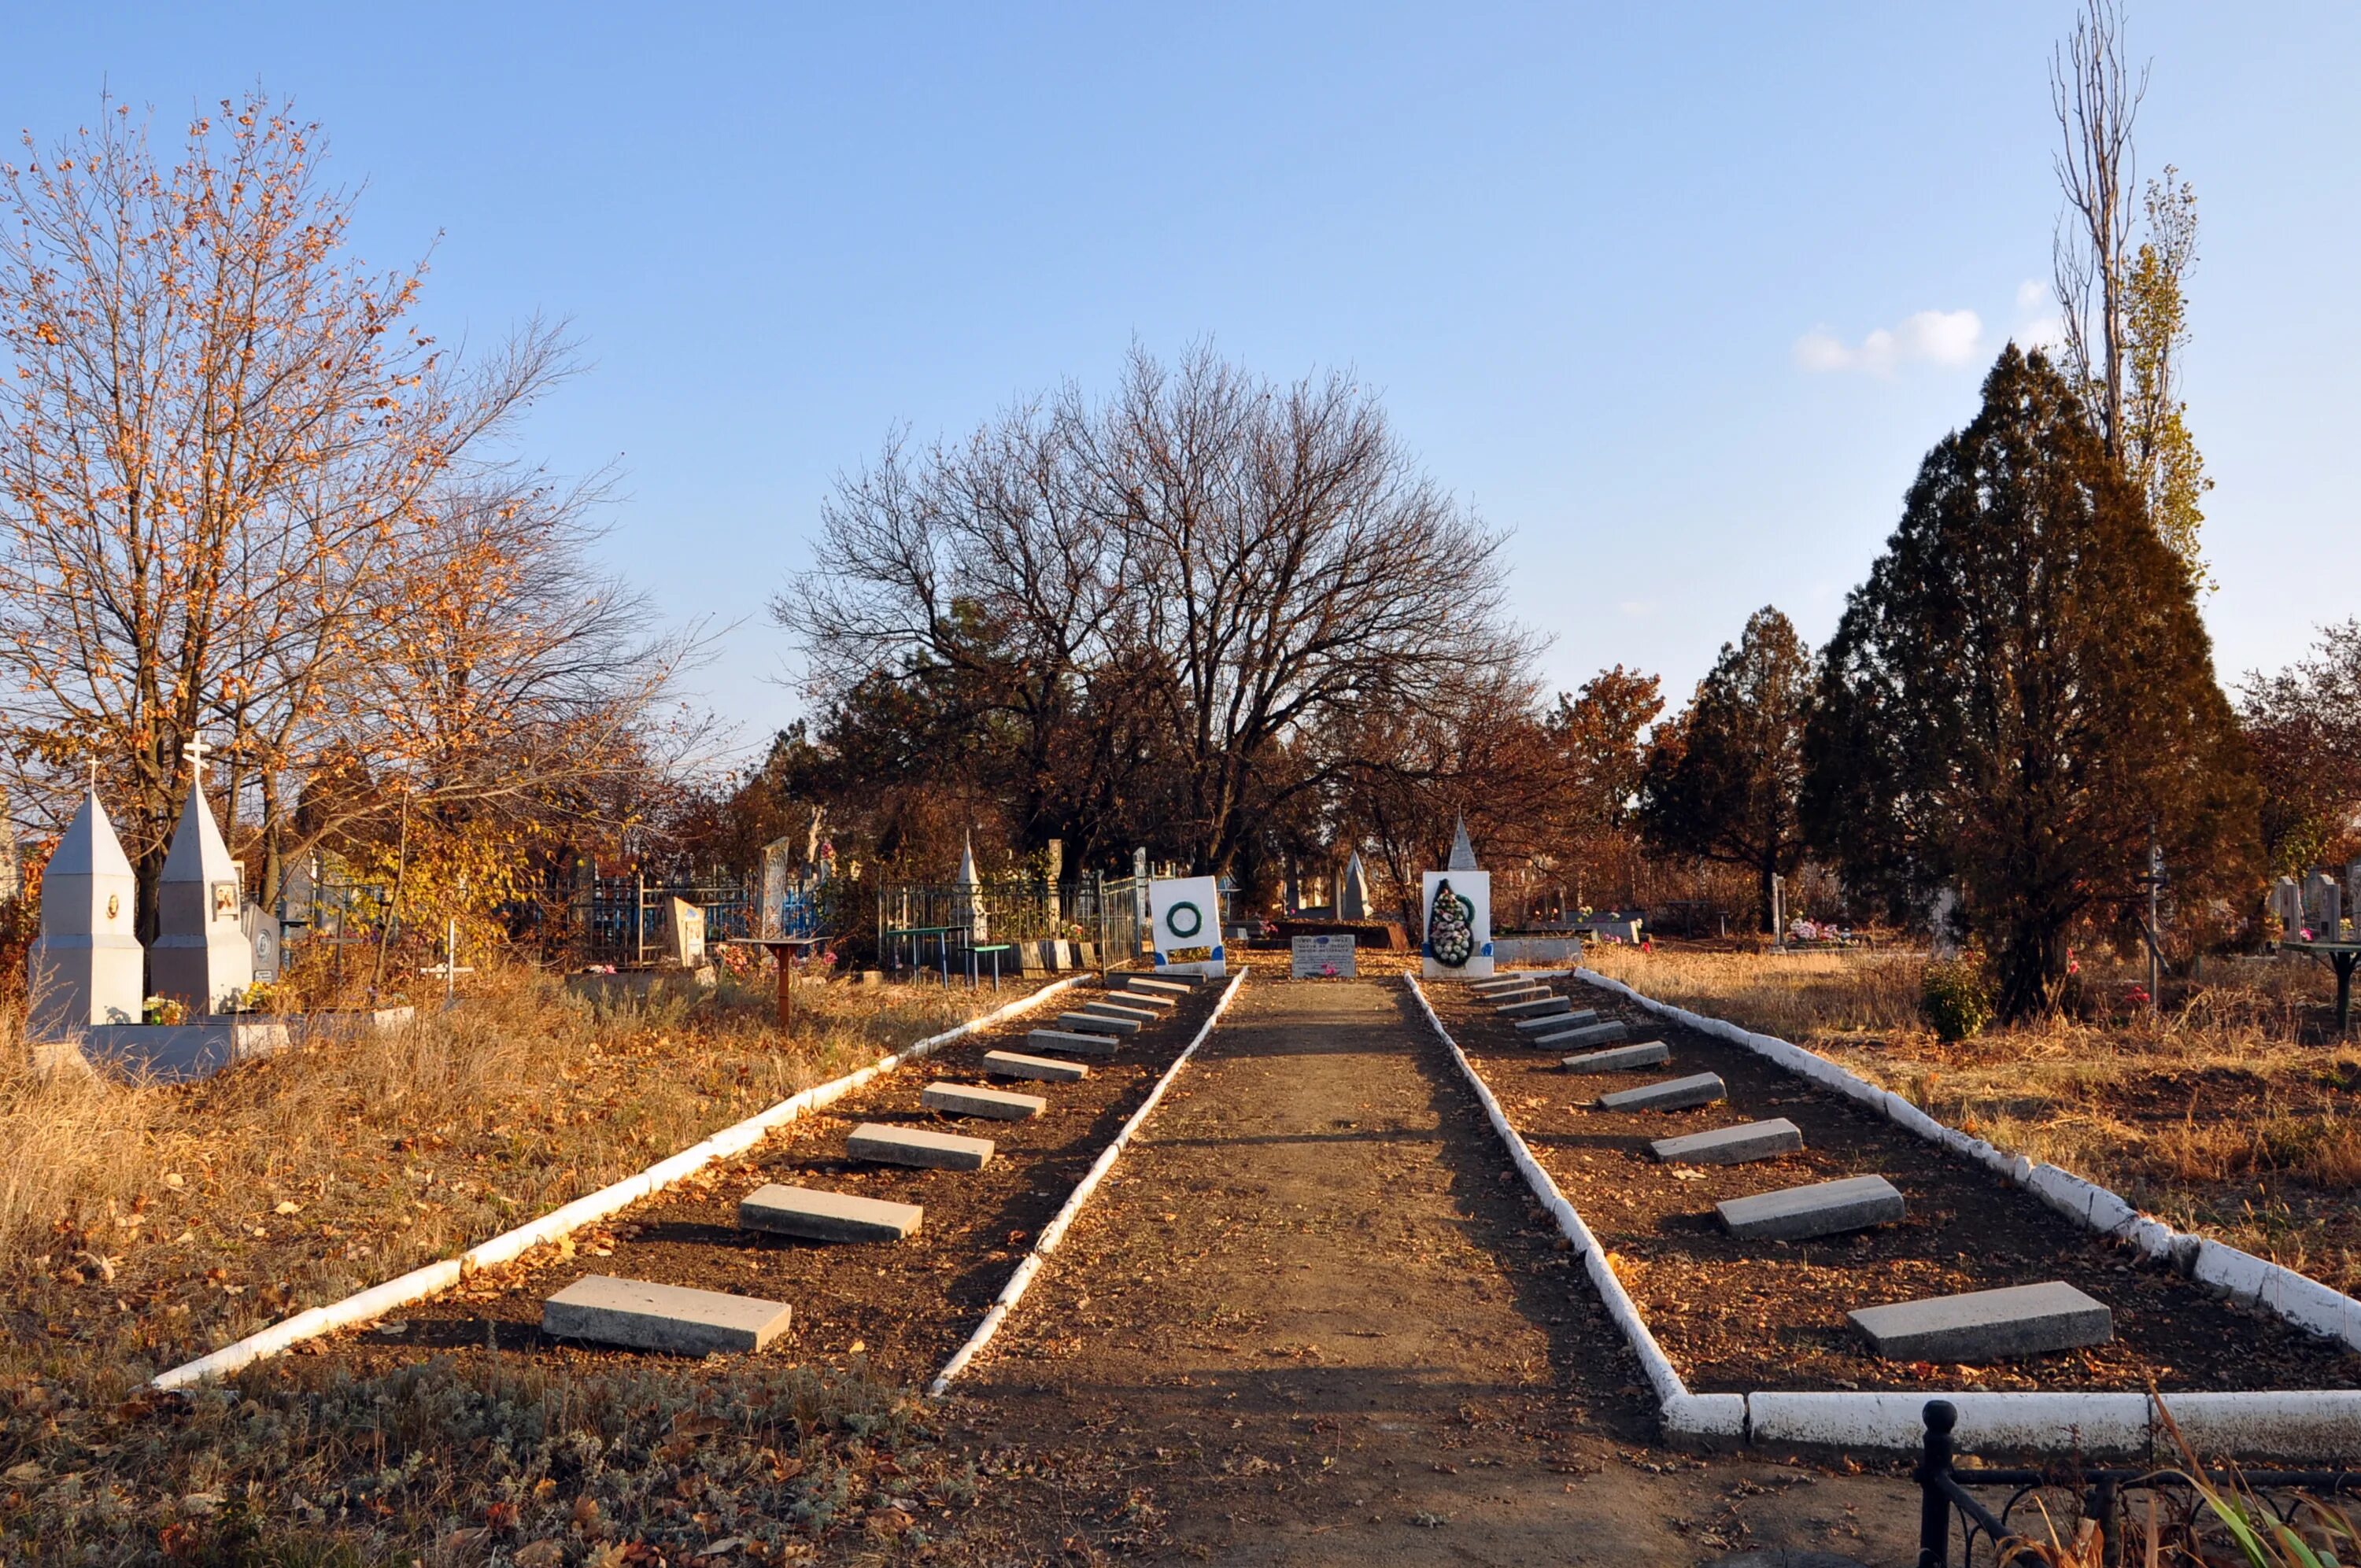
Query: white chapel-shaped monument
x=201 y=955
x=84 y=970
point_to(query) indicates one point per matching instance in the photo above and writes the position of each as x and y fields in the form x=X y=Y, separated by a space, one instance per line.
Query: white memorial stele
x=970 y=914
x=1185 y=924
x=1465 y=952
x=200 y=955
x=84 y=970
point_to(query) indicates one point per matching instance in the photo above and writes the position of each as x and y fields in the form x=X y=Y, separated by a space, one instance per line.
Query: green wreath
x=1172 y=920
x=1450 y=927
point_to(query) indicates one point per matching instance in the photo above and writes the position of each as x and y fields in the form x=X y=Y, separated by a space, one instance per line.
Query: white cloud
x=1930 y=338
x=2031 y=295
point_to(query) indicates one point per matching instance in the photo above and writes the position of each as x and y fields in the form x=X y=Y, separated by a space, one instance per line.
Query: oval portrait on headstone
x=114 y=904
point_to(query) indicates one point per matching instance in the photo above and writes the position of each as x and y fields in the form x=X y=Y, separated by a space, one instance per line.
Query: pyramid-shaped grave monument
x=200 y=955
x=86 y=969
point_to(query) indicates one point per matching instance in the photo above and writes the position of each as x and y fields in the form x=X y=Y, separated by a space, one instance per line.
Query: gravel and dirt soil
x=1736 y=1317
x=1314 y=1318
x=892 y=1312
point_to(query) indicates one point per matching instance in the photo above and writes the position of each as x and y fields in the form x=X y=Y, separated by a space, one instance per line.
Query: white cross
x=195 y=751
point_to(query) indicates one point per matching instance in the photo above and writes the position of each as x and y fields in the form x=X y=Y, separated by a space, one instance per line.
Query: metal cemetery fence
x=937 y=924
x=622 y=922
x=2103 y=1496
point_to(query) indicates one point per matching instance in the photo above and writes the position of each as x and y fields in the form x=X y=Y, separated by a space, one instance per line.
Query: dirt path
x=1314 y=1318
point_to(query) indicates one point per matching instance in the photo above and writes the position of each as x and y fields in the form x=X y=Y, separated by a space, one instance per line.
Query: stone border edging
x=1054 y=1232
x=2311 y=1422
x=564 y=1221
x=1699 y=1415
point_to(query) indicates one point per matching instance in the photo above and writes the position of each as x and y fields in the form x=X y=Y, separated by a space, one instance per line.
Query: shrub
x=1956 y=999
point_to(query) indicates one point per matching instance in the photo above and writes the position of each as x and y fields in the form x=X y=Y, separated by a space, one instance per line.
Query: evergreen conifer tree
x=2022 y=693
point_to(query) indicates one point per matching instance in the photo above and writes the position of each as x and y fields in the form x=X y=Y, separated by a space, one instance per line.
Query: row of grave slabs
x=751 y=1252
x=1753 y=1338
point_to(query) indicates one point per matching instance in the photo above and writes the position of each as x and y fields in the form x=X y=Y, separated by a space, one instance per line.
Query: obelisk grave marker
x=86 y=968
x=201 y=955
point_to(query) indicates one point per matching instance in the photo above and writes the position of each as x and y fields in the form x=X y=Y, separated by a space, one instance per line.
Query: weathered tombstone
x=2322 y=906
x=200 y=955
x=1353 y=898
x=86 y=969
x=2287 y=904
x=1941 y=919
x=265 y=937
x=1328 y=957
x=771 y=919
x=683 y=934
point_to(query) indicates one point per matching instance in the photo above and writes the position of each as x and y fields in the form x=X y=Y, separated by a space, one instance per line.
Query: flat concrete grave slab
x=917 y=1145
x=1673 y=1094
x=1822 y=1208
x=1621 y=1058
x=1550 y=1027
x=819 y=1216
x=1016 y=1064
x=670 y=1318
x=1514 y=980
x=1097 y=1024
x=1069 y=1043
x=1539 y=1007
x=1731 y=1145
x=1986 y=1325
x=1153 y=982
x=1117 y=1010
x=1501 y=994
x=1130 y=996
x=1587 y=1038
x=970 y=1099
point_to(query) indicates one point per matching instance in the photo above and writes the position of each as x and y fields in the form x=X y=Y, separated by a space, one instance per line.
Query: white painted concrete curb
x=1054 y=1232
x=420 y=1283
x=2299 y=1423
x=1702 y=1415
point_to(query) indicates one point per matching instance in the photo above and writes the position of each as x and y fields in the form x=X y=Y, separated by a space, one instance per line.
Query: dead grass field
x=2232 y=1115
x=142 y=1223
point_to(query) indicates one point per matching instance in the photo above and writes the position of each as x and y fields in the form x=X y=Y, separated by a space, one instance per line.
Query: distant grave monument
x=87 y=967
x=1324 y=957
x=683 y=934
x=201 y=955
x=1352 y=897
x=1457 y=905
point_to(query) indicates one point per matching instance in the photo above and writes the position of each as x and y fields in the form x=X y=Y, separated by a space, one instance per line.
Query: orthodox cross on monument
x=195 y=750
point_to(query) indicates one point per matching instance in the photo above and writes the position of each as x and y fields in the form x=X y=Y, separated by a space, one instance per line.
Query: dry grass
x=146 y=1222
x=2227 y=1115
x=141 y=1223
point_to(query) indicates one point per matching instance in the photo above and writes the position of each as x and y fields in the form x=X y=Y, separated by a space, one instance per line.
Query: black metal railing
x=2096 y=1500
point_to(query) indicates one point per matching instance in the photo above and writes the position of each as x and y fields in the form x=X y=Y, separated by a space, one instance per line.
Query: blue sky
x=1613 y=269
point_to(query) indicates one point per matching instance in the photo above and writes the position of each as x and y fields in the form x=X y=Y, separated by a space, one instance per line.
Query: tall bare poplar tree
x=2121 y=304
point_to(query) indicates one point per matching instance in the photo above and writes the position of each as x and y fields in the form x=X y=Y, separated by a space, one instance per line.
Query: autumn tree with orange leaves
x=243 y=490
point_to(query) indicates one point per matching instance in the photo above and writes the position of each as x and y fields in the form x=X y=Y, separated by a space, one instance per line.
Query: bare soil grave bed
x=893 y=1310
x=1738 y=1317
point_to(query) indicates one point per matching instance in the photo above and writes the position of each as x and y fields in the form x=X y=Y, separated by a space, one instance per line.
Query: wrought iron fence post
x=1933 y=1468
x=2100 y=1505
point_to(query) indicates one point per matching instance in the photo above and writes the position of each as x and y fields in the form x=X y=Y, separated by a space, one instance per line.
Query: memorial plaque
x=1324 y=958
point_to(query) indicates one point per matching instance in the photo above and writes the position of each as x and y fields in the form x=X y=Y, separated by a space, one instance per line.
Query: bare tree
x=2096 y=99
x=1159 y=596
x=1296 y=563
x=217 y=430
